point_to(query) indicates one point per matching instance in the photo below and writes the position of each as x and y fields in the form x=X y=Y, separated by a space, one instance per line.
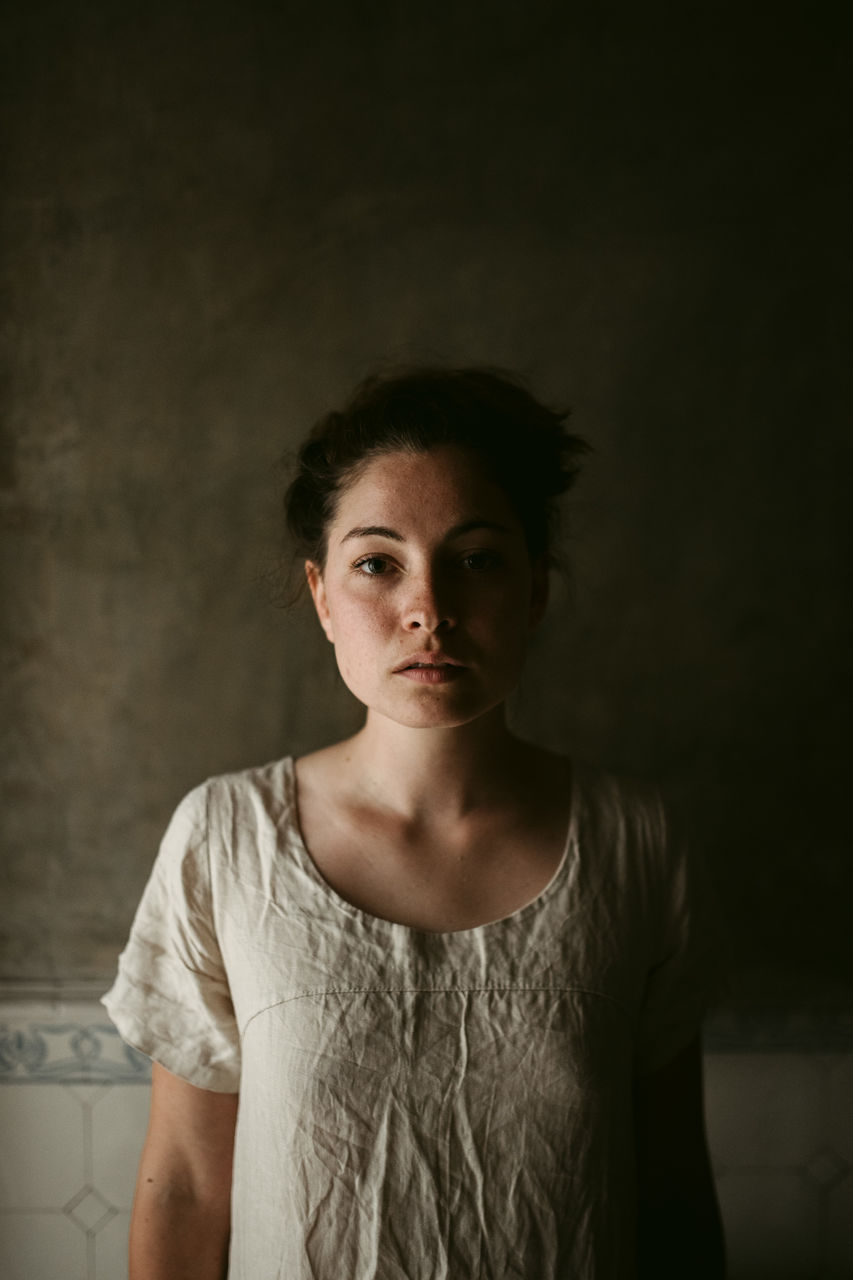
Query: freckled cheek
x=360 y=636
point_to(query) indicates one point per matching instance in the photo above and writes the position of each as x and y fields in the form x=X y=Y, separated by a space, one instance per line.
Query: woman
x=455 y=979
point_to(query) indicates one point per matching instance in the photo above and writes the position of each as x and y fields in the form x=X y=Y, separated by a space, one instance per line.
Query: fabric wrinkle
x=418 y=1106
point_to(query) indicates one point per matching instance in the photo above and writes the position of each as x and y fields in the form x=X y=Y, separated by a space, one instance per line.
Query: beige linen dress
x=415 y=1105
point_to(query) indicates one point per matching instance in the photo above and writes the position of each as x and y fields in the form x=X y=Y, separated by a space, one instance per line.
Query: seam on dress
x=379 y=991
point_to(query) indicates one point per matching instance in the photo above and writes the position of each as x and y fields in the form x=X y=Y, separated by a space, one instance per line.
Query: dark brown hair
x=523 y=445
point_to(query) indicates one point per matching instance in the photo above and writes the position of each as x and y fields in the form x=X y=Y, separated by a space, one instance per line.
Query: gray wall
x=218 y=216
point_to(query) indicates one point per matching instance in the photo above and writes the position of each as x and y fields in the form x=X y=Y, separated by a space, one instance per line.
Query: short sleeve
x=171 y=997
x=688 y=969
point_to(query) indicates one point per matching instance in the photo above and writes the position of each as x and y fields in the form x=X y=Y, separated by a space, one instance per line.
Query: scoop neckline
x=371 y=920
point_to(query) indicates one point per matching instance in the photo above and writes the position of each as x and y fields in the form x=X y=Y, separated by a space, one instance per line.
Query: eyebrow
x=381 y=531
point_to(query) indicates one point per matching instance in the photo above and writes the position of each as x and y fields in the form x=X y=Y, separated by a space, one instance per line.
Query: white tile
x=839 y=1232
x=772 y=1227
x=841 y=1106
x=90 y=1210
x=111 y=1249
x=764 y=1109
x=119 y=1121
x=88 y=1093
x=42 y=1246
x=41 y=1157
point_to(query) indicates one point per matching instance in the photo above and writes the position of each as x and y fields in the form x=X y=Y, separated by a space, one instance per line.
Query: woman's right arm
x=181 y=1220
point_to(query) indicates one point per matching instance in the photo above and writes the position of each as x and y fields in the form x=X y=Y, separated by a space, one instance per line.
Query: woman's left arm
x=679 y=1228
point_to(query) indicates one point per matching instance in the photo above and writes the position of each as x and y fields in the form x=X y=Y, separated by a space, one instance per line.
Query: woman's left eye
x=371 y=566
x=480 y=561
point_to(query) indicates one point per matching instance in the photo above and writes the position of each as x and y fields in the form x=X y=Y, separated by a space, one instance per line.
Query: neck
x=426 y=773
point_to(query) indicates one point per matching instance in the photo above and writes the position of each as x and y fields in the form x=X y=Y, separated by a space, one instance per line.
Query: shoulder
x=620 y=807
x=626 y=840
x=268 y=786
x=231 y=809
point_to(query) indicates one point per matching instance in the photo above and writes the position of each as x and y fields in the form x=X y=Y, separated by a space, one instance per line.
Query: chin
x=420 y=707
x=446 y=721
x=437 y=713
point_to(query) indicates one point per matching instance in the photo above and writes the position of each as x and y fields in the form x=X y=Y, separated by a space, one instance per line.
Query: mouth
x=427 y=665
x=430 y=669
x=428 y=662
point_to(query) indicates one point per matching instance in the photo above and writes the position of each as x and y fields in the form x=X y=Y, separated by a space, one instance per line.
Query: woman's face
x=428 y=593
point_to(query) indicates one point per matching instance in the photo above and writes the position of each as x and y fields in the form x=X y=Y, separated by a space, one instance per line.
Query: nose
x=428 y=606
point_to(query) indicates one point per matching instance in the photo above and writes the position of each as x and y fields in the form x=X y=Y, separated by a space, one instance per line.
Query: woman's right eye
x=371 y=566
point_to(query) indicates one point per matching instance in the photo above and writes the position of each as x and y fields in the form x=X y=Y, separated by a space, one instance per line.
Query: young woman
x=455 y=980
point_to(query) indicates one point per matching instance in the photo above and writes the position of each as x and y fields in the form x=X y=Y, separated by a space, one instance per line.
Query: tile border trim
x=56 y=1032
x=774 y=1029
x=68 y=1052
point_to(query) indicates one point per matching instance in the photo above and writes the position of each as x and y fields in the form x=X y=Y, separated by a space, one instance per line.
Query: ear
x=539 y=591
x=317 y=587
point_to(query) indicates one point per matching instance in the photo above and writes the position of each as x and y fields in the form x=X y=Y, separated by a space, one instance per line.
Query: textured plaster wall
x=216 y=217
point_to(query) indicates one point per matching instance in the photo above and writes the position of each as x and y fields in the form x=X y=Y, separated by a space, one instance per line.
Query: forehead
x=446 y=485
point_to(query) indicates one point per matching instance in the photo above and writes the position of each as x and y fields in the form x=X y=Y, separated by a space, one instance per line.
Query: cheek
x=357 y=626
x=508 y=617
x=513 y=629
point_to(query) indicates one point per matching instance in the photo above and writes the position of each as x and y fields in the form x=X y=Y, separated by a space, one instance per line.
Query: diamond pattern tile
x=780 y=1123
x=826 y=1168
x=89 y=1210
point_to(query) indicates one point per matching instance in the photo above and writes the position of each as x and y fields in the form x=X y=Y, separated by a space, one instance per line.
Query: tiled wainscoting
x=73 y=1111
x=74 y=1105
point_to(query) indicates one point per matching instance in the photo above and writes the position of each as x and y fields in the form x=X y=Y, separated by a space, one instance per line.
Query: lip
x=433 y=674
x=428 y=658
x=429 y=668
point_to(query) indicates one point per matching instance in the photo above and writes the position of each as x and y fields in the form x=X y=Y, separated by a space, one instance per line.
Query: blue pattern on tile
x=69 y=1053
x=773 y=1029
x=81 y=1052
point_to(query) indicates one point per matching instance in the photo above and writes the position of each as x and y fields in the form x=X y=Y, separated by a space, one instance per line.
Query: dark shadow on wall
x=214 y=227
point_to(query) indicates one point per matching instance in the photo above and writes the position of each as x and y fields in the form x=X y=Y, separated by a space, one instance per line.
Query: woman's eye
x=371 y=566
x=480 y=561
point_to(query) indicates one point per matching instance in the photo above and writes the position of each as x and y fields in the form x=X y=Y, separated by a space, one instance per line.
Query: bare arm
x=181 y=1218
x=680 y=1233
